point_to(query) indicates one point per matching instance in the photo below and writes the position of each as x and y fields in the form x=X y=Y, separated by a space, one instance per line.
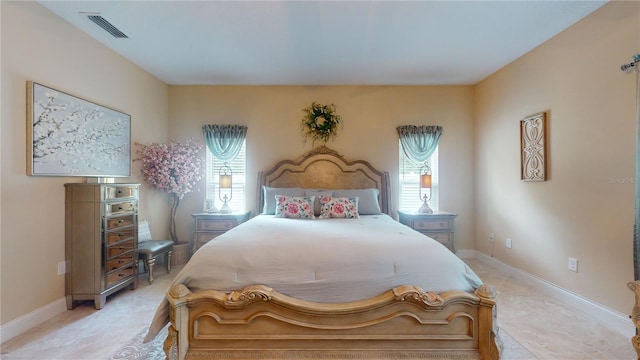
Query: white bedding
x=328 y=260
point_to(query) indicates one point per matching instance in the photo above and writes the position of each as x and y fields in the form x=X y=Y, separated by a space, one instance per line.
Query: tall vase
x=175 y=201
x=180 y=248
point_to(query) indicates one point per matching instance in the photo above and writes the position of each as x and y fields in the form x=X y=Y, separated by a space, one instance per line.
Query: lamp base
x=425 y=209
x=225 y=209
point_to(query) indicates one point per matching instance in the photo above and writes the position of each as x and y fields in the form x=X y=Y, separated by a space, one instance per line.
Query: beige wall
x=370 y=115
x=39 y=46
x=586 y=208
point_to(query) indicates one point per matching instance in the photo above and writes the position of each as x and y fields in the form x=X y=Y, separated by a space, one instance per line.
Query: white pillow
x=368 y=199
x=270 y=193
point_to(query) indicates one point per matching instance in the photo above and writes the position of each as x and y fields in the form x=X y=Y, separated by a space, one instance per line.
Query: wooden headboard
x=324 y=168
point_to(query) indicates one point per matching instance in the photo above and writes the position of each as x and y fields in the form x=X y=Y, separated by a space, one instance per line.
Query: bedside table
x=210 y=225
x=439 y=226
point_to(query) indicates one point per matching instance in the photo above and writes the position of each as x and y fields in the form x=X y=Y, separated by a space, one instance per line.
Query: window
x=410 y=179
x=239 y=169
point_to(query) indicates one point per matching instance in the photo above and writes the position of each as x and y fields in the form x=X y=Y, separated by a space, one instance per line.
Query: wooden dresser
x=101 y=240
x=210 y=225
x=439 y=226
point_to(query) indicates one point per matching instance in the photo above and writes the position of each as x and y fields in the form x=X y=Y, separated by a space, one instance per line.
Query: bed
x=282 y=288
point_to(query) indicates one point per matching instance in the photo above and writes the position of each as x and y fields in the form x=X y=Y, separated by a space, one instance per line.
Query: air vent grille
x=107 y=26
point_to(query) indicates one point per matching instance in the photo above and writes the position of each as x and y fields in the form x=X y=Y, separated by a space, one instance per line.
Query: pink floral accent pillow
x=297 y=207
x=338 y=207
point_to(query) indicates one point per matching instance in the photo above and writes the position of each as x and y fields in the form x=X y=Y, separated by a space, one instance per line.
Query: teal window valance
x=224 y=141
x=419 y=142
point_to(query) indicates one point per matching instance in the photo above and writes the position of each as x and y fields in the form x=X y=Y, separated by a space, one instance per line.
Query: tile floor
x=548 y=328
x=87 y=334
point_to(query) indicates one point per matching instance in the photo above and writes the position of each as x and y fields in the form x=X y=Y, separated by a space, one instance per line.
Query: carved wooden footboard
x=261 y=323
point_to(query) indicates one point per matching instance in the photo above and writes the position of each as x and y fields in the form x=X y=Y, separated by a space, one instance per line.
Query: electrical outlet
x=492 y=237
x=573 y=264
x=62 y=268
x=508 y=243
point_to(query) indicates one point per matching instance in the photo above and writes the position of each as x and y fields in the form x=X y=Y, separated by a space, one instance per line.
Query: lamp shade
x=225 y=181
x=425 y=181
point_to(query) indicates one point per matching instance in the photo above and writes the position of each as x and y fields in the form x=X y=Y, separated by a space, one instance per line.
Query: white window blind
x=409 y=183
x=239 y=180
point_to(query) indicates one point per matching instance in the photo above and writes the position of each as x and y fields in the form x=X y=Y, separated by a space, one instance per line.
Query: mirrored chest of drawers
x=210 y=225
x=439 y=226
x=101 y=240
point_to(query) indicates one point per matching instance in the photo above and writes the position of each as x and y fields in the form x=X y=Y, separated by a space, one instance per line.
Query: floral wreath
x=320 y=122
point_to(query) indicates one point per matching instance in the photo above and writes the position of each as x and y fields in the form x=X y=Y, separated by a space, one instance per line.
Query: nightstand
x=439 y=226
x=210 y=225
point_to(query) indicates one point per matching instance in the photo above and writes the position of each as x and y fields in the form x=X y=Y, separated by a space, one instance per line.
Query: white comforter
x=328 y=260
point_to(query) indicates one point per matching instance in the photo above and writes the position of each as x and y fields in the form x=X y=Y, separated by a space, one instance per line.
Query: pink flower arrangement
x=174 y=168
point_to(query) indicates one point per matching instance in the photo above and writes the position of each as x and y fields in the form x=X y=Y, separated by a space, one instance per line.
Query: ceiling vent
x=107 y=26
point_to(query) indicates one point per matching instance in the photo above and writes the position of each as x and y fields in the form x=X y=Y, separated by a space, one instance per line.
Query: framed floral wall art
x=70 y=136
x=533 y=148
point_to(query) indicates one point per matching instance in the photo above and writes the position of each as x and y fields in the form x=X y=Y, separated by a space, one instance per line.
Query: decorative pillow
x=270 y=193
x=317 y=194
x=297 y=207
x=368 y=199
x=338 y=207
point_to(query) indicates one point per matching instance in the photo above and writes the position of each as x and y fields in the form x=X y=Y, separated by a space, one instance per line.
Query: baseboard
x=466 y=254
x=610 y=318
x=16 y=327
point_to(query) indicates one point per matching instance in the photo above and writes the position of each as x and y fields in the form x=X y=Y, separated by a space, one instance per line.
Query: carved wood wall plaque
x=533 y=148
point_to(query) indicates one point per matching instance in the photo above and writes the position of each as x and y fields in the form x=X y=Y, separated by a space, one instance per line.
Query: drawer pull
x=120 y=221
x=120 y=275
x=119 y=207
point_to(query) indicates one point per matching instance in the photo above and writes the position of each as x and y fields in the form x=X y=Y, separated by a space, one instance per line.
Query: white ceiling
x=324 y=42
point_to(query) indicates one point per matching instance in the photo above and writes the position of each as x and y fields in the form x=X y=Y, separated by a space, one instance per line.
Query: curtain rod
x=627 y=66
